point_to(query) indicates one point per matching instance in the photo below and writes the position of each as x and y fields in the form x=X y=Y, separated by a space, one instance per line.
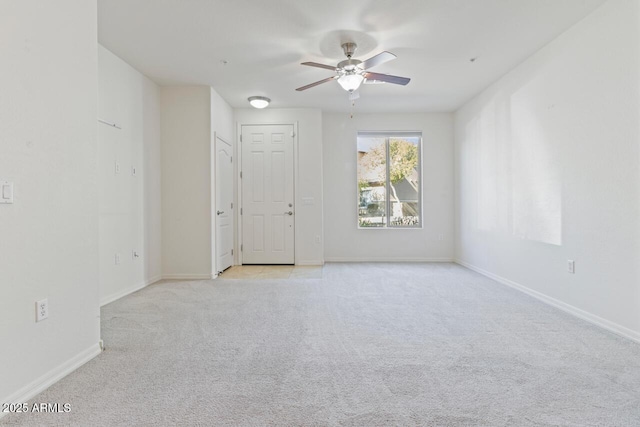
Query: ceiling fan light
x=350 y=82
x=259 y=101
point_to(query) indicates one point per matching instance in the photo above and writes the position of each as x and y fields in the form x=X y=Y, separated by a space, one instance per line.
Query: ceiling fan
x=350 y=73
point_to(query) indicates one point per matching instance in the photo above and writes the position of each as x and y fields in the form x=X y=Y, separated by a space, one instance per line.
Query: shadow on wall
x=514 y=168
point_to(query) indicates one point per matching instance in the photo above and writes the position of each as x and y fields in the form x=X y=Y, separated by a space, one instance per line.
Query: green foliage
x=403 y=156
x=405 y=220
x=362 y=184
x=364 y=222
x=404 y=159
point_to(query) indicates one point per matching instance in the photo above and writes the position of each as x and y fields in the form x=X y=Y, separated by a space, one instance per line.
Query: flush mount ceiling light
x=259 y=101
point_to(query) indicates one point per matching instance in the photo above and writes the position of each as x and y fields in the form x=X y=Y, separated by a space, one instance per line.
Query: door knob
x=220 y=212
x=289 y=213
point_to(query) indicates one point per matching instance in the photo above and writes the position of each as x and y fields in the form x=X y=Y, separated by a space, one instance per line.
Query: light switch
x=6 y=195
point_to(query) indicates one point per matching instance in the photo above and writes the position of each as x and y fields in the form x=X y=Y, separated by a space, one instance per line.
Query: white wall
x=49 y=236
x=308 y=182
x=186 y=181
x=221 y=117
x=152 y=178
x=343 y=240
x=547 y=164
x=190 y=117
x=130 y=210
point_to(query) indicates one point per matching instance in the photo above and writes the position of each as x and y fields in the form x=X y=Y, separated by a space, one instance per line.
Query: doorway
x=267 y=185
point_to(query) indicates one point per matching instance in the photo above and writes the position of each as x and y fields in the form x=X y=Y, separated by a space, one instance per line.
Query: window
x=389 y=179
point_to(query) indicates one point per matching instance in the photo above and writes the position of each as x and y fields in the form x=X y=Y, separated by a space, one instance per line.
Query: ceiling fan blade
x=373 y=82
x=387 y=78
x=380 y=58
x=316 y=83
x=315 y=64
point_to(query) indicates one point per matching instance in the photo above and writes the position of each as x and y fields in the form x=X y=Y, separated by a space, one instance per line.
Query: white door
x=267 y=194
x=224 y=205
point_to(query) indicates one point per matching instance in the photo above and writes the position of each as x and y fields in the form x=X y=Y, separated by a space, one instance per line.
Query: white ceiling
x=179 y=42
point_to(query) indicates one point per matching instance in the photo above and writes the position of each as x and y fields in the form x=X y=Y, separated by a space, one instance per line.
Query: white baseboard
x=154 y=279
x=385 y=259
x=123 y=293
x=577 y=312
x=186 y=276
x=56 y=374
x=309 y=262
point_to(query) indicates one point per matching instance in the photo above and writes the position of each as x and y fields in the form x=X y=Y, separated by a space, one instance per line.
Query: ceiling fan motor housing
x=350 y=66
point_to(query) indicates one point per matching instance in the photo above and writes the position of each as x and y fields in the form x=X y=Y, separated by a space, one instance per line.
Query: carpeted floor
x=365 y=345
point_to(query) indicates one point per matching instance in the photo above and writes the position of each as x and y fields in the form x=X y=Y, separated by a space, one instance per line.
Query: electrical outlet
x=117 y=259
x=318 y=240
x=571 y=266
x=117 y=168
x=42 y=309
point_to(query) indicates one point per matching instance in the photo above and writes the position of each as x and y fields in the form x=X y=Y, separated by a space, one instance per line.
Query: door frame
x=238 y=241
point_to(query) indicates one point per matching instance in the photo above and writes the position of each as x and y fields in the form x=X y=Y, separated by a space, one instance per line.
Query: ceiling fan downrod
x=349 y=49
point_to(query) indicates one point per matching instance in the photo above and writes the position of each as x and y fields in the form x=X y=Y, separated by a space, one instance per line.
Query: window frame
x=387 y=135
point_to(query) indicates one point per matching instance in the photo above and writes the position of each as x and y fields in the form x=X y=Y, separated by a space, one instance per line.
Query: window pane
x=404 y=181
x=372 y=177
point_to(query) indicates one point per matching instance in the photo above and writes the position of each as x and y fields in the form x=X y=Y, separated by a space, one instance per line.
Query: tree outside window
x=389 y=193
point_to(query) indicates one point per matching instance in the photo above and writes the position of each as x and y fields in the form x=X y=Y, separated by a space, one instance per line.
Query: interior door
x=267 y=194
x=224 y=205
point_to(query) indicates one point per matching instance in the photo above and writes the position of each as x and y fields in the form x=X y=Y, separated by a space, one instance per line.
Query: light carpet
x=365 y=345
